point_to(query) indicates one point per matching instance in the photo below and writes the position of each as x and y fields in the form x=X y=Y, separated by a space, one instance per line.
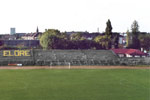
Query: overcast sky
x=73 y=15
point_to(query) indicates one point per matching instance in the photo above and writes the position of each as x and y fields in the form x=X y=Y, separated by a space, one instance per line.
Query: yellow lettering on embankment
x=16 y=53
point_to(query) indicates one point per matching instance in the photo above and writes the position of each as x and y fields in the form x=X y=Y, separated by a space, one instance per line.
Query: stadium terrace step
x=71 y=57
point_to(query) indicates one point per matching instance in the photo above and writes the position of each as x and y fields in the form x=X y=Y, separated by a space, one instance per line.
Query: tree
x=135 y=34
x=145 y=41
x=46 y=40
x=135 y=27
x=108 y=33
x=115 y=40
x=52 y=39
x=77 y=36
x=1 y=43
x=108 y=30
x=104 y=41
x=129 y=40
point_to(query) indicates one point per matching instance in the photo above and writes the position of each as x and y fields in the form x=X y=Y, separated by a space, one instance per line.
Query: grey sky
x=73 y=15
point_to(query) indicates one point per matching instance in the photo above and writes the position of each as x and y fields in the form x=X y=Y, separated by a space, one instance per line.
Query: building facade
x=12 y=31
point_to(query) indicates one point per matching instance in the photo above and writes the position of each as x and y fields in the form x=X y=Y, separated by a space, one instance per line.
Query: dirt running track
x=73 y=67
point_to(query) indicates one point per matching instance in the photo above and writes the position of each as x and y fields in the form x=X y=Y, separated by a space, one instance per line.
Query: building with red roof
x=129 y=53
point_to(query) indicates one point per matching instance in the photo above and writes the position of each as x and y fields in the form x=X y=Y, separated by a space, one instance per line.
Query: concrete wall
x=26 y=43
x=25 y=60
x=74 y=57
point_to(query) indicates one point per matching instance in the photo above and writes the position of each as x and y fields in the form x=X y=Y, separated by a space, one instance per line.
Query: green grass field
x=79 y=84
